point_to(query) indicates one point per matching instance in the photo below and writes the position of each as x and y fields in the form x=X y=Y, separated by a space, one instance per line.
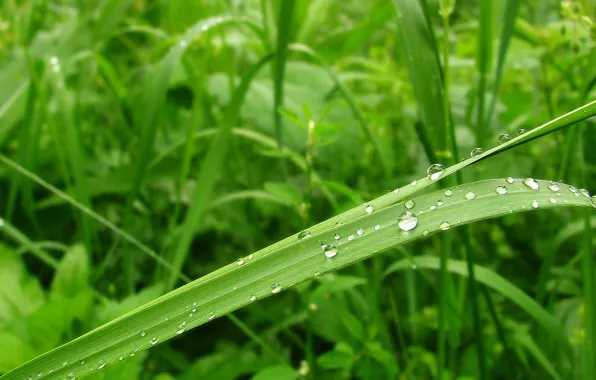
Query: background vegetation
x=210 y=129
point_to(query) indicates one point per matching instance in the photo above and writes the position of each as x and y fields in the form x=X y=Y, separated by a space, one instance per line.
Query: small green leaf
x=72 y=274
x=280 y=372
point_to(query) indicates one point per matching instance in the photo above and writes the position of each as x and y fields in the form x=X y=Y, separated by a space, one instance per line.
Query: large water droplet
x=377 y=227
x=351 y=237
x=534 y=204
x=360 y=231
x=407 y=221
x=448 y=193
x=445 y=226
x=410 y=204
x=504 y=138
x=101 y=364
x=435 y=171
x=552 y=200
x=501 y=190
x=303 y=234
x=275 y=288
x=369 y=209
x=509 y=180
x=476 y=152
x=330 y=251
x=554 y=187
x=154 y=341
x=531 y=183
x=470 y=195
x=336 y=236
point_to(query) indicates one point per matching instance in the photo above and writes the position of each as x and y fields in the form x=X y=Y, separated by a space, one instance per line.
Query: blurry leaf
x=336 y=284
x=291 y=116
x=276 y=373
x=14 y=352
x=285 y=192
x=20 y=293
x=72 y=274
x=114 y=309
x=384 y=357
x=353 y=325
x=342 y=357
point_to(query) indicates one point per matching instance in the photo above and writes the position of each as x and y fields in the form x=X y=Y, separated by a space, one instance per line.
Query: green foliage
x=246 y=148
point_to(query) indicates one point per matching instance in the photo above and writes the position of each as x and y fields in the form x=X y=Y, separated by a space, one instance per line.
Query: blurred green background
x=333 y=119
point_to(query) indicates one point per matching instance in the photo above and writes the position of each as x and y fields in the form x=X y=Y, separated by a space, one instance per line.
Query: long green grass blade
x=300 y=257
x=483 y=63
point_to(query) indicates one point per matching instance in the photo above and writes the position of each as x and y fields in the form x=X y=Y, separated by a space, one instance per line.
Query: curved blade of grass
x=281 y=266
x=210 y=170
x=356 y=111
x=152 y=105
x=419 y=52
x=497 y=283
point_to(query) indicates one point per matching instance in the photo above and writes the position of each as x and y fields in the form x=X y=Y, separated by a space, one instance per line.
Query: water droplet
x=407 y=221
x=82 y=362
x=369 y=209
x=553 y=187
x=252 y=298
x=250 y=256
x=476 y=152
x=445 y=226
x=410 y=204
x=501 y=190
x=440 y=203
x=552 y=200
x=360 y=231
x=584 y=192
x=323 y=246
x=509 y=179
x=64 y=364
x=470 y=195
x=211 y=316
x=573 y=189
x=330 y=251
x=275 y=288
x=143 y=333
x=531 y=183
x=413 y=183
x=521 y=131
x=534 y=204
x=378 y=227
x=121 y=357
x=336 y=236
x=28 y=378
x=351 y=237
x=154 y=341
x=425 y=233
x=433 y=207
x=435 y=171
x=396 y=191
x=414 y=266
x=504 y=138
x=448 y=193
x=101 y=364
x=317 y=274
x=181 y=328
x=303 y=234
x=240 y=261
x=70 y=376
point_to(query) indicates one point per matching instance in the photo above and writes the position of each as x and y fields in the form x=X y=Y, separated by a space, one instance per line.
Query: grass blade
x=483 y=62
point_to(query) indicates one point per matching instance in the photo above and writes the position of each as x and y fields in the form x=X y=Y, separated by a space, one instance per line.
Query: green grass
x=221 y=190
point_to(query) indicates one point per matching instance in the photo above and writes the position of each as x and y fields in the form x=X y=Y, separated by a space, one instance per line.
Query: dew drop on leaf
x=440 y=203
x=337 y=236
x=410 y=204
x=445 y=226
x=101 y=364
x=211 y=316
x=253 y=298
x=584 y=192
x=504 y=138
x=378 y=227
x=448 y=193
x=143 y=333
x=534 y=204
x=396 y=191
x=240 y=262
x=70 y=376
x=470 y=195
x=476 y=152
x=531 y=183
x=521 y=131
x=509 y=180
x=154 y=341
x=435 y=171
x=407 y=221
x=360 y=231
x=553 y=187
x=351 y=237
x=303 y=234
x=275 y=288
x=369 y=209
x=181 y=328
x=573 y=189
x=414 y=183
x=552 y=200
x=501 y=190
x=330 y=252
